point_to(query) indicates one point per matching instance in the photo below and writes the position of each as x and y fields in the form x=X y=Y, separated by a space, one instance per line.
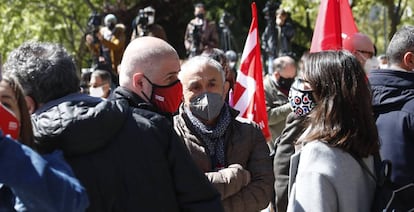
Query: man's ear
x=408 y=61
x=31 y=104
x=226 y=88
x=276 y=75
x=137 y=81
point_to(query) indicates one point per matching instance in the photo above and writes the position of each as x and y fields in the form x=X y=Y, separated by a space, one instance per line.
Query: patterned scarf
x=213 y=136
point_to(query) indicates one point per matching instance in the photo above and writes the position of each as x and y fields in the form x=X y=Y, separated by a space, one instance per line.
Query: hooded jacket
x=128 y=158
x=393 y=104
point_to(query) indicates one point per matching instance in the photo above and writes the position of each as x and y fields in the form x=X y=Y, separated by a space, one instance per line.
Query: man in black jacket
x=128 y=158
x=393 y=104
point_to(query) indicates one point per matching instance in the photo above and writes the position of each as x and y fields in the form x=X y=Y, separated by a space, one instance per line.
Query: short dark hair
x=44 y=70
x=103 y=74
x=200 y=4
x=401 y=42
x=342 y=116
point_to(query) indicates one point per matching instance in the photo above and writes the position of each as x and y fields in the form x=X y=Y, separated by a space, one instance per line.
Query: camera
x=226 y=19
x=142 y=18
x=195 y=34
x=94 y=22
x=142 y=21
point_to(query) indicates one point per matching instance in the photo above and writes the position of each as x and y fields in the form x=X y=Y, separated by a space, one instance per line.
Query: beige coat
x=247 y=182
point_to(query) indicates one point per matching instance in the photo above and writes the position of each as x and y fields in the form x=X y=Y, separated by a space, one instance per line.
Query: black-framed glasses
x=370 y=54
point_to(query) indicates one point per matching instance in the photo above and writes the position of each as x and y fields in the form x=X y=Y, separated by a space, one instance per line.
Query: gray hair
x=45 y=70
x=103 y=74
x=202 y=61
x=280 y=63
x=401 y=42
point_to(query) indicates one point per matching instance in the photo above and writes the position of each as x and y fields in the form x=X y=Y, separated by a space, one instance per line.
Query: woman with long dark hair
x=339 y=129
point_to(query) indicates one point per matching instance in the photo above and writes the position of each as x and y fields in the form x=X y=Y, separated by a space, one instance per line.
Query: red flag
x=334 y=23
x=248 y=96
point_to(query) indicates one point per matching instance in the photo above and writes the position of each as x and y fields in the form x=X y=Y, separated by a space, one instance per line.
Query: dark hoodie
x=128 y=159
x=393 y=104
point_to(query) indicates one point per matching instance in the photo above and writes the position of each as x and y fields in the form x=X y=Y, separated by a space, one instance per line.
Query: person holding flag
x=230 y=150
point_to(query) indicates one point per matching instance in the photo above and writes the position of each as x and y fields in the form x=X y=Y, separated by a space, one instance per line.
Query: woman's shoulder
x=318 y=156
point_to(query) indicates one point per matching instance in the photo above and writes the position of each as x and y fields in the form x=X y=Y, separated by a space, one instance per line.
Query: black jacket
x=393 y=104
x=129 y=159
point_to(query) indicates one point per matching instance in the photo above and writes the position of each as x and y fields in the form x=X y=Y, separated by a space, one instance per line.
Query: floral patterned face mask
x=300 y=98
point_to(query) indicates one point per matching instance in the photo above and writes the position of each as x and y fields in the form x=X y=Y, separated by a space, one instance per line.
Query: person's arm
x=230 y=180
x=278 y=113
x=210 y=37
x=289 y=31
x=116 y=43
x=285 y=147
x=258 y=193
x=40 y=184
x=187 y=37
x=194 y=191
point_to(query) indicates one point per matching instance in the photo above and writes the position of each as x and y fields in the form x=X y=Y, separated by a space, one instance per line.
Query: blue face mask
x=301 y=99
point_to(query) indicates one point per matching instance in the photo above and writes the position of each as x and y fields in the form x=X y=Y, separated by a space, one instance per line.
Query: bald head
x=145 y=55
x=281 y=64
x=360 y=45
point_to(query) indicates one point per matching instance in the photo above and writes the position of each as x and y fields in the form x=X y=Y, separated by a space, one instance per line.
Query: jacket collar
x=136 y=101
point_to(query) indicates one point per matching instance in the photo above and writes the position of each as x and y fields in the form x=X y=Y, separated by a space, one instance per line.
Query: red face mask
x=166 y=98
x=8 y=122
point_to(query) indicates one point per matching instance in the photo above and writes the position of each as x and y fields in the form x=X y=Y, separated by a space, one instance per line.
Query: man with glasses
x=361 y=46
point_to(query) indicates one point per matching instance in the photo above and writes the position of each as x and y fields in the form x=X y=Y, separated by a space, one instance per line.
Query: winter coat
x=30 y=182
x=207 y=35
x=285 y=148
x=129 y=159
x=244 y=145
x=393 y=105
x=330 y=179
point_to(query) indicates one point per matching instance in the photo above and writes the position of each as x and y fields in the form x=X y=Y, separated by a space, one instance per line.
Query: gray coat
x=330 y=179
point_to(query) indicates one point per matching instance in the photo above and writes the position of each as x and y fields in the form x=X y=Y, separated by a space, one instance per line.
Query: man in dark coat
x=129 y=159
x=393 y=104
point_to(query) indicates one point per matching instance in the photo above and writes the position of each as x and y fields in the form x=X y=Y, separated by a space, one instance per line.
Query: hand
x=243 y=172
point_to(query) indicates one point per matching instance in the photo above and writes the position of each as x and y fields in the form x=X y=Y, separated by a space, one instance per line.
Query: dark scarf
x=213 y=136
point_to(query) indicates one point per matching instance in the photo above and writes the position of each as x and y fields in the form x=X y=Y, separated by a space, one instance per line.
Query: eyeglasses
x=370 y=54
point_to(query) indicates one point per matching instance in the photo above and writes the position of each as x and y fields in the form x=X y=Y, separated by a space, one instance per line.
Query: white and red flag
x=248 y=95
x=334 y=24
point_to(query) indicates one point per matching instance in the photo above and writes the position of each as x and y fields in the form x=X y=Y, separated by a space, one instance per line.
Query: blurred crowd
x=142 y=130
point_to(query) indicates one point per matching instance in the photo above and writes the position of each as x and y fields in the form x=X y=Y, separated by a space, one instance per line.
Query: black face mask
x=285 y=82
x=200 y=16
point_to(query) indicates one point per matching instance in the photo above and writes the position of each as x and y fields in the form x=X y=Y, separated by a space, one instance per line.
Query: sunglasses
x=370 y=54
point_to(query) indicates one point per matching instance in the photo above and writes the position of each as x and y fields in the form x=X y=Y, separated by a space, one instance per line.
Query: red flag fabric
x=335 y=22
x=248 y=95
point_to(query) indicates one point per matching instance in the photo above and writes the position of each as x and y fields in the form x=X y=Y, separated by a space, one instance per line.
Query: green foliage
x=49 y=21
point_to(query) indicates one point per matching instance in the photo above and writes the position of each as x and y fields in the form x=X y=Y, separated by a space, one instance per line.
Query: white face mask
x=97 y=91
x=151 y=19
x=371 y=64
